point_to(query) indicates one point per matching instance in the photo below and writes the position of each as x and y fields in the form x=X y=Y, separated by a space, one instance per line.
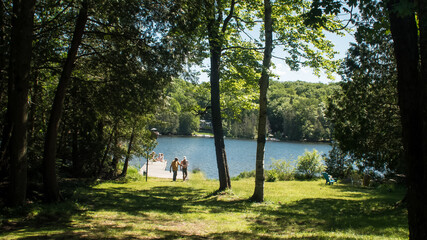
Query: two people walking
x=183 y=165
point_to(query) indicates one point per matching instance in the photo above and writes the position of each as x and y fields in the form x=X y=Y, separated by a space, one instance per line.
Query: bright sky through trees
x=342 y=43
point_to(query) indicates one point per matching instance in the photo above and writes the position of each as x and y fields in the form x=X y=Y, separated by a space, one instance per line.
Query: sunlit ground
x=162 y=209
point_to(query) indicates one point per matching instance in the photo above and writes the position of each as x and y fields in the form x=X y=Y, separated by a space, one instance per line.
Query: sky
x=342 y=43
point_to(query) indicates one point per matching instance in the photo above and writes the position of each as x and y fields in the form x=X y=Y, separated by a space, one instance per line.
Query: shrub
x=309 y=165
x=245 y=174
x=284 y=169
x=133 y=174
x=271 y=175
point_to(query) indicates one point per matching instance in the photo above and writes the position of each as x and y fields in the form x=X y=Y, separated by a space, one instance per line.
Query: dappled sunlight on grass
x=164 y=209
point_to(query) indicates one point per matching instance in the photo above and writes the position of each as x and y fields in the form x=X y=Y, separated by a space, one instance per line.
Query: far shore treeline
x=296 y=111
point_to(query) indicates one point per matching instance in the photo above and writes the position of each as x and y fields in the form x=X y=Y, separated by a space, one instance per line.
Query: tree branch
x=247 y=22
x=240 y=47
x=228 y=18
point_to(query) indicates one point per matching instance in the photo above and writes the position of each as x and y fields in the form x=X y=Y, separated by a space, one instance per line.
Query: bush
x=132 y=174
x=245 y=174
x=309 y=165
x=285 y=170
x=271 y=175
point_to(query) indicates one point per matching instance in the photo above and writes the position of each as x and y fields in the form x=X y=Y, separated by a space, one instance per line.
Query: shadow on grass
x=370 y=216
x=369 y=212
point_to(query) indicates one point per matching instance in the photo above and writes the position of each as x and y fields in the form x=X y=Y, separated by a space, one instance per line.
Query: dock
x=159 y=170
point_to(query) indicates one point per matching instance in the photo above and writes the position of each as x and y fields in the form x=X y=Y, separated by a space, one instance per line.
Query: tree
x=262 y=118
x=19 y=76
x=290 y=30
x=365 y=112
x=409 y=44
x=217 y=27
x=49 y=180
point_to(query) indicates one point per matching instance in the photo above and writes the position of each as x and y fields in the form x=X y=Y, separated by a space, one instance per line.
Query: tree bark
x=215 y=34
x=262 y=118
x=411 y=91
x=20 y=61
x=126 y=164
x=107 y=150
x=3 y=83
x=50 y=182
x=221 y=157
x=3 y=51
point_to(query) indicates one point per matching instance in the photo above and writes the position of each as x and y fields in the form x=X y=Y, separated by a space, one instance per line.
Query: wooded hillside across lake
x=296 y=111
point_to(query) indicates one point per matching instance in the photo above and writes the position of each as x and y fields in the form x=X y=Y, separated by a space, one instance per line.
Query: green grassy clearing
x=162 y=209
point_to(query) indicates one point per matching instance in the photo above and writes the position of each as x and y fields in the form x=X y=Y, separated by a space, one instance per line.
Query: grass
x=162 y=209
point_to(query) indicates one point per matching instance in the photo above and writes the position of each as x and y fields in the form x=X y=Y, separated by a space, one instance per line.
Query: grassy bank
x=161 y=209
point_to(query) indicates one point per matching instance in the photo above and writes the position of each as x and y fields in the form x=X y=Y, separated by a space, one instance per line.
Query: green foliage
x=285 y=169
x=281 y=170
x=133 y=174
x=304 y=45
x=338 y=164
x=130 y=52
x=271 y=176
x=296 y=110
x=364 y=110
x=245 y=174
x=179 y=113
x=309 y=165
x=188 y=123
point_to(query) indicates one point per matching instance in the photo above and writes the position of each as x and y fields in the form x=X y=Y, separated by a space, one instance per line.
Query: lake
x=200 y=153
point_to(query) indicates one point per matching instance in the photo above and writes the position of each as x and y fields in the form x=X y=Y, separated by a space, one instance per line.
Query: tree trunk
x=20 y=59
x=77 y=159
x=126 y=164
x=411 y=91
x=107 y=150
x=116 y=155
x=262 y=118
x=215 y=34
x=49 y=165
x=221 y=157
x=3 y=51
x=3 y=83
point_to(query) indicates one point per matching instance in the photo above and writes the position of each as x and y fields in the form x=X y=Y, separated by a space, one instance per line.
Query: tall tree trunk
x=3 y=51
x=116 y=155
x=107 y=149
x=3 y=83
x=50 y=182
x=20 y=59
x=216 y=41
x=262 y=118
x=77 y=159
x=221 y=157
x=411 y=91
x=126 y=164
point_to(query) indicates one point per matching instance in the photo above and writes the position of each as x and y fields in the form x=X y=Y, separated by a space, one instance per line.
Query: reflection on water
x=240 y=153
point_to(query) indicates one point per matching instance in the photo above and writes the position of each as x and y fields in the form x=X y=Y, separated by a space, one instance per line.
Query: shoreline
x=250 y=139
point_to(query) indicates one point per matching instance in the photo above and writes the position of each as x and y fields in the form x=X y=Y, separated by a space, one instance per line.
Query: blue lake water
x=240 y=153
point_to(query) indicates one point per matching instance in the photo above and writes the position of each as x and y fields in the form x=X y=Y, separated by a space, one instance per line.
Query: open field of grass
x=162 y=209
